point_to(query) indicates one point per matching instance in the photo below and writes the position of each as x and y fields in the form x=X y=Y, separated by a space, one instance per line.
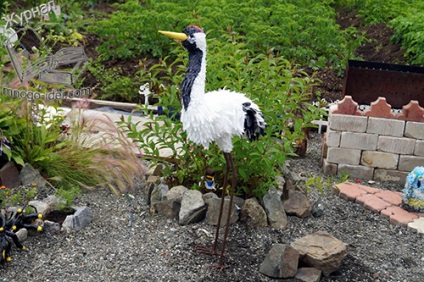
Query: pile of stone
x=316 y=254
x=306 y=258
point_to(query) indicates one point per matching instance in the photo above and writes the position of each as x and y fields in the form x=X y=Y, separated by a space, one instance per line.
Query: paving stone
x=412 y=112
x=417 y=224
x=372 y=202
x=368 y=189
x=348 y=123
x=343 y=156
x=361 y=141
x=414 y=130
x=356 y=171
x=408 y=163
x=347 y=106
x=419 y=148
x=392 y=197
x=329 y=168
x=349 y=191
x=384 y=126
x=333 y=138
x=398 y=216
x=378 y=159
x=396 y=145
x=380 y=108
x=390 y=175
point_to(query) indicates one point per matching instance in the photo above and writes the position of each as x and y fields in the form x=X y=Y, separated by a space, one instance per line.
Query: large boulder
x=253 y=214
x=274 y=209
x=281 y=262
x=193 y=208
x=212 y=214
x=322 y=251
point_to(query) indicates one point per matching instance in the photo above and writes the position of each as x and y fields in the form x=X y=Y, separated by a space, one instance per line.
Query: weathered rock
x=51 y=227
x=29 y=175
x=9 y=175
x=176 y=193
x=213 y=212
x=308 y=274
x=22 y=234
x=207 y=197
x=40 y=206
x=321 y=250
x=158 y=194
x=253 y=214
x=238 y=204
x=274 y=209
x=193 y=208
x=281 y=262
x=54 y=202
x=79 y=220
x=168 y=208
x=297 y=204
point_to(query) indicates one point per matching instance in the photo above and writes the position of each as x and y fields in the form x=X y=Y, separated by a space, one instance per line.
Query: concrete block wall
x=375 y=144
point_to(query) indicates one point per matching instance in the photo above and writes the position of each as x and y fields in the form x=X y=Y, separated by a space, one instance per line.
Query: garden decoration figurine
x=18 y=220
x=413 y=193
x=215 y=116
x=6 y=238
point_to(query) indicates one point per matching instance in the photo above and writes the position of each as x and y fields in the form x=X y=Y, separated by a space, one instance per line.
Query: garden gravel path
x=127 y=243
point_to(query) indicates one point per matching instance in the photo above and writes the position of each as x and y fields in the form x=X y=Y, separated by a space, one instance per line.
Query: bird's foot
x=206 y=250
x=220 y=266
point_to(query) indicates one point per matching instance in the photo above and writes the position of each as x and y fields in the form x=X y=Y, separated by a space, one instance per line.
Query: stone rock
x=29 y=175
x=157 y=171
x=193 y=208
x=238 y=204
x=274 y=209
x=40 y=207
x=207 y=197
x=79 y=220
x=281 y=262
x=168 y=208
x=51 y=227
x=253 y=214
x=151 y=183
x=22 y=234
x=322 y=251
x=308 y=274
x=54 y=202
x=176 y=193
x=9 y=175
x=213 y=212
x=158 y=193
x=297 y=204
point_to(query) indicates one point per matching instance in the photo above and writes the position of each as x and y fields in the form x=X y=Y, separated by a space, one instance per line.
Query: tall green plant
x=281 y=90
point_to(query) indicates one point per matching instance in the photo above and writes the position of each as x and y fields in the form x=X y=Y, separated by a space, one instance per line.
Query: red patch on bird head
x=196 y=27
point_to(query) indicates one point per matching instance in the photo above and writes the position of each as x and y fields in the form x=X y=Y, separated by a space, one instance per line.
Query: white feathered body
x=216 y=116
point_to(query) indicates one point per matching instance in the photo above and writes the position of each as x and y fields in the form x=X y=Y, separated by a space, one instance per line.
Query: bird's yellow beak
x=175 y=35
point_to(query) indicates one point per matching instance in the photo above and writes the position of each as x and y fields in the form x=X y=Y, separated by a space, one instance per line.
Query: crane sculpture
x=215 y=116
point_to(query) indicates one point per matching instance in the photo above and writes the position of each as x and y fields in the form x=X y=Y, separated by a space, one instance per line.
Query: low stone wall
x=375 y=144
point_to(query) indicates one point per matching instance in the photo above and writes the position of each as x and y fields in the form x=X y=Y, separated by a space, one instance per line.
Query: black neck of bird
x=193 y=70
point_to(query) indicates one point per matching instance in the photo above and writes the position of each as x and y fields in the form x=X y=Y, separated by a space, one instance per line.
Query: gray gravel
x=126 y=243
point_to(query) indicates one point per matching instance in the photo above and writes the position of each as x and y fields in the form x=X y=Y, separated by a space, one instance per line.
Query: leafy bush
x=303 y=31
x=232 y=65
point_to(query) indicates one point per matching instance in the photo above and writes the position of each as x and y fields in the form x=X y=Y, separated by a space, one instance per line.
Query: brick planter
x=375 y=144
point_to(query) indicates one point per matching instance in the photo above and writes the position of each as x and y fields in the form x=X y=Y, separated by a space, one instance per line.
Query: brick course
x=375 y=144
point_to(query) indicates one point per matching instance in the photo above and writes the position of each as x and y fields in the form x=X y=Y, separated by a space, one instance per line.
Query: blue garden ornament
x=413 y=193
